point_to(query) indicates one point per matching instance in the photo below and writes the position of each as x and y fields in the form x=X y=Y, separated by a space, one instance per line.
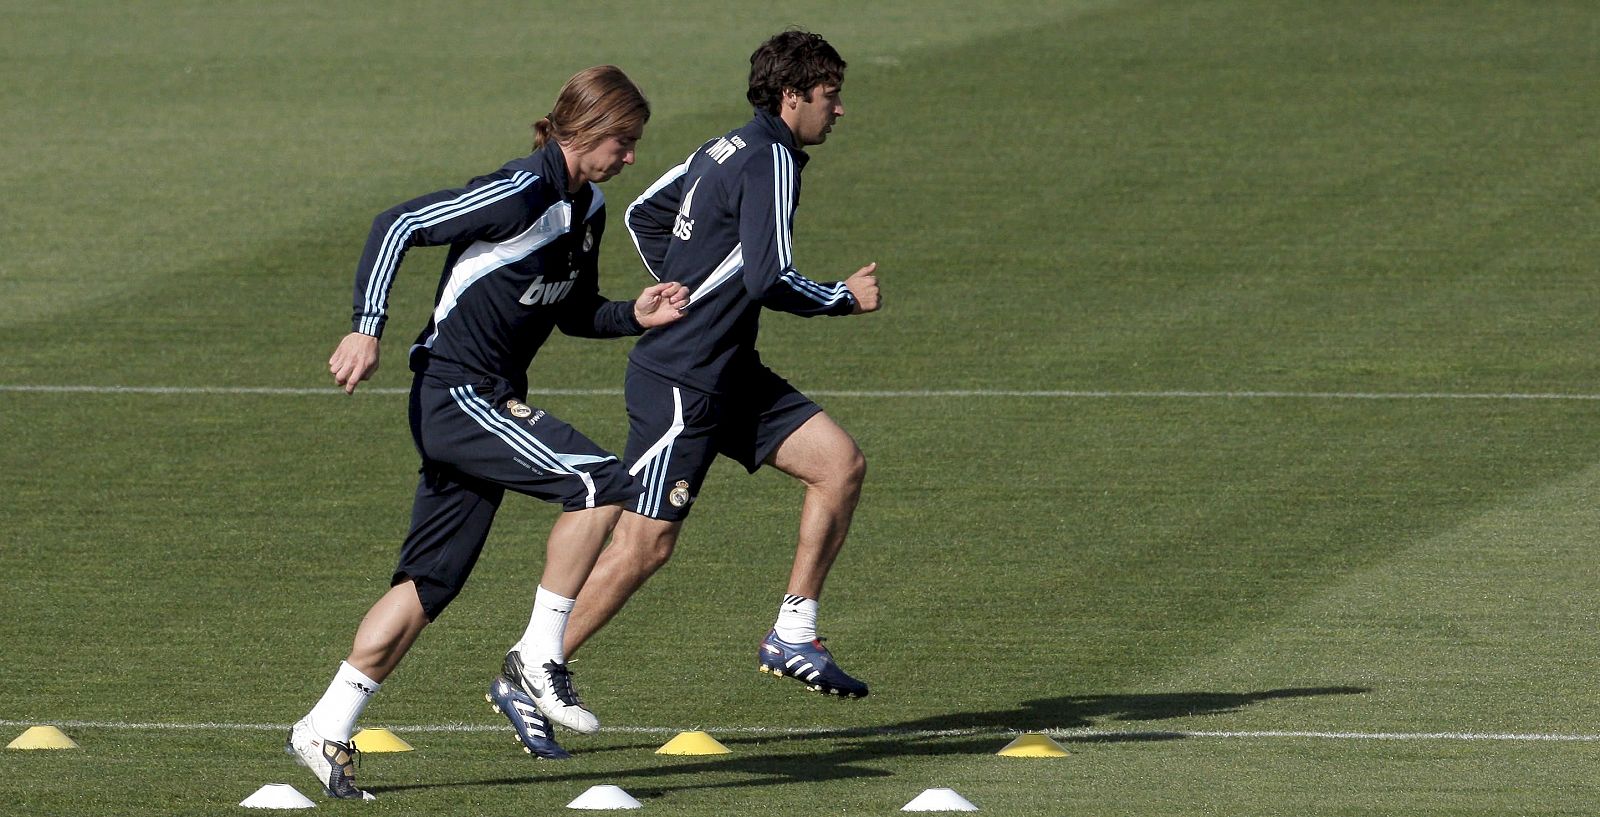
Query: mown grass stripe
x=1067 y=394
x=823 y=731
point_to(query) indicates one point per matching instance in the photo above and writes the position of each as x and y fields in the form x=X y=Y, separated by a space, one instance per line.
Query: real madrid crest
x=519 y=409
x=679 y=496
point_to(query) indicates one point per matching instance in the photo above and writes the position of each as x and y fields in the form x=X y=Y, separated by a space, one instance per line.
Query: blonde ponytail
x=596 y=103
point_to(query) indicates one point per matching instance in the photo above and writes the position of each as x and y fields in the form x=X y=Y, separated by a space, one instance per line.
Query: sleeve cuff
x=368 y=324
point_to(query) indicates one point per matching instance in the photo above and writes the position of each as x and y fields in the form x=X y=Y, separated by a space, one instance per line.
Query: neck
x=575 y=177
x=790 y=119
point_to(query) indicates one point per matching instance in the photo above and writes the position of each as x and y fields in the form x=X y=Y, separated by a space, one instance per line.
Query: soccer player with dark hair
x=720 y=223
x=523 y=261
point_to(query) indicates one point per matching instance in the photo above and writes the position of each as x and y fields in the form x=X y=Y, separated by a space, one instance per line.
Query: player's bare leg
x=321 y=741
x=827 y=460
x=387 y=632
x=575 y=543
x=824 y=457
x=535 y=670
x=639 y=547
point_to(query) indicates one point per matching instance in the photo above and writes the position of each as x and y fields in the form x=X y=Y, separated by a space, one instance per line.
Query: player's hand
x=354 y=361
x=660 y=304
x=864 y=286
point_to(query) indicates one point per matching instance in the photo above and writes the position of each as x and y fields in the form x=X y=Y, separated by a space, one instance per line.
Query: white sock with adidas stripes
x=541 y=642
x=797 y=620
x=334 y=716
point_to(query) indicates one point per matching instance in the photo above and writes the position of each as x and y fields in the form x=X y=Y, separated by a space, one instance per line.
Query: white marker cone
x=604 y=797
x=939 y=800
x=277 y=795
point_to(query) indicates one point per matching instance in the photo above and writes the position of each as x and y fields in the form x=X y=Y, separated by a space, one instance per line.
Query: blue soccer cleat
x=532 y=727
x=810 y=664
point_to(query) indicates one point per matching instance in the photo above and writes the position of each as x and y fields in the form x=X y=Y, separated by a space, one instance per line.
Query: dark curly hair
x=793 y=59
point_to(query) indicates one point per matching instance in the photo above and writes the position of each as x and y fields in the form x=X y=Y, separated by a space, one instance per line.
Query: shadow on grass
x=1097 y=711
x=837 y=754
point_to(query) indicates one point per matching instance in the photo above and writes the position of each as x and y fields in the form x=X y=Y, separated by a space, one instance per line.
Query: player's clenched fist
x=864 y=286
x=354 y=361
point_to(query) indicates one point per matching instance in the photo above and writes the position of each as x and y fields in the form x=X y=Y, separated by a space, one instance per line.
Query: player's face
x=608 y=156
x=814 y=118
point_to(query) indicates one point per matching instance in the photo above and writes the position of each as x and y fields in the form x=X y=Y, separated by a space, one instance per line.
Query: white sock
x=334 y=717
x=797 y=620
x=541 y=642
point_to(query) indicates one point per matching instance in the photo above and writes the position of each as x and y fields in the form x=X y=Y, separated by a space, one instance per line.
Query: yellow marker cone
x=1033 y=744
x=376 y=741
x=693 y=743
x=42 y=737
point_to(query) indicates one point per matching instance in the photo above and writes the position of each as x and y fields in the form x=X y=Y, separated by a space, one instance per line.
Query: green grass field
x=1233 y=416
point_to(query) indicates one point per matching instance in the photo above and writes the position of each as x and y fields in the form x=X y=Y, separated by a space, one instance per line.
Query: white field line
x=1081 y=733
x=1063 y=394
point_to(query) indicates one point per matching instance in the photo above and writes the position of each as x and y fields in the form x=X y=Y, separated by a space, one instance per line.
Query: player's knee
x=841 y=472
x=848 y=466
x=854 y=468
x=653 y=553
x=649 y=544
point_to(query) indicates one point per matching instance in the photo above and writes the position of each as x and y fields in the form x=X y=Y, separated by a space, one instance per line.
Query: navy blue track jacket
x=720 y=224
x=523 y=260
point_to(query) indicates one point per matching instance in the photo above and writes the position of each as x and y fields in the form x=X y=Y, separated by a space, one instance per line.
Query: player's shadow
x=1096 y=711
x=854 y=753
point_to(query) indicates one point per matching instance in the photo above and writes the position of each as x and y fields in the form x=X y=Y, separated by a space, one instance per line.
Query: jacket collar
x=552 y=164
x=775 y=127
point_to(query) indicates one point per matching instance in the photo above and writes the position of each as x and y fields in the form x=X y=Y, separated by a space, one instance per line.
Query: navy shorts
x=674 y=433
x=478 y=438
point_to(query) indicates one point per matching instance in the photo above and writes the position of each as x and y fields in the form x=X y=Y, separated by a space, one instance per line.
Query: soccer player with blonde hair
x=523 y=261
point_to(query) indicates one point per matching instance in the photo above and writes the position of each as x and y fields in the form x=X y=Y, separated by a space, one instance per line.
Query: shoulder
x=770 y=162
x=506 y=192
x=521 y=177
x=736 y=153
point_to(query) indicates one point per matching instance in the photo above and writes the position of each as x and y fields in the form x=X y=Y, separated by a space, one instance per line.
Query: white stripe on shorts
x=656 y=459
x=519 y=439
